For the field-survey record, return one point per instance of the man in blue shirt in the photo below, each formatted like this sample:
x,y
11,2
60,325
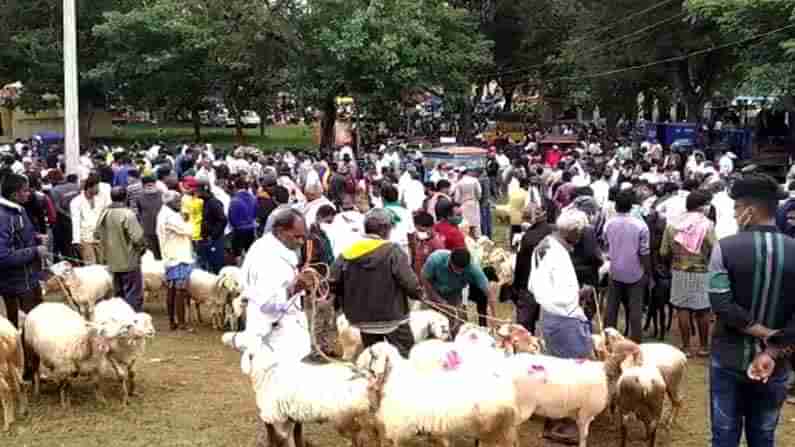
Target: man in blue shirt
x,y
445,275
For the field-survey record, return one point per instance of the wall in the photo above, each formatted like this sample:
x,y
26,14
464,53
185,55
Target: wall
x,y
18,124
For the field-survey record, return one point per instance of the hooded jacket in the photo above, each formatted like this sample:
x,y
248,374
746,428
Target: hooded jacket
x,y
373,280
17,250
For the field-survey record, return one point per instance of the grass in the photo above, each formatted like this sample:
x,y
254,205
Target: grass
x,y
276,137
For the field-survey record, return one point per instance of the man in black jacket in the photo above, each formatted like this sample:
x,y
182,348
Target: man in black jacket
x,y
147,206
372,281
211,245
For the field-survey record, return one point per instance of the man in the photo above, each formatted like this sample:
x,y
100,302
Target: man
x,y
62,195
630,265
412,191
536,228
442,191
468,193
427,241
346,228
121,177
122,241
266,201
445,275
242,217
785,215
487,193
134,187
147,206
449,218
174,237
85,210
21,250
314,201
191,208
403,224
321,315
211,244
270,283
751,296
372,281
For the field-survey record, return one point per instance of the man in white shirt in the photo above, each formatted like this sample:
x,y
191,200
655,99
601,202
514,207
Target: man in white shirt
x,y
85,210
726,164
174,236
412,191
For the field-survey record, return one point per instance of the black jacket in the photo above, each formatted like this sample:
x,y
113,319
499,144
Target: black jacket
x,y
373,280
19,261
213,219
147,206
530,240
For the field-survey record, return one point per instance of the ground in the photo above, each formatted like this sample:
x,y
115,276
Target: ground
x,y
276,137
193,394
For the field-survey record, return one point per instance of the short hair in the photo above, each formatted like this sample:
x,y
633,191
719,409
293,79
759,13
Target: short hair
x,y
163,172
134,173
442,184
241,183
444,208
624,200
566,177
91,181
13,183
118,194
281,195
423,219
147,180
377,221
72,178
389,192
286,218
460,258
572,220
697,199
760,190
326,211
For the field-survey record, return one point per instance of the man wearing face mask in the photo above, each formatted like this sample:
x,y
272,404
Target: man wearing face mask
x,y
751,292
427,241
270,284
449,218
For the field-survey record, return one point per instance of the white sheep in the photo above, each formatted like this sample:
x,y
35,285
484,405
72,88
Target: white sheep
x,y
515,339
291,393
84,286
440,404
671,362
215,291
68,345
640,391
566,388
154,278
233,311
125,350
12,364
425,324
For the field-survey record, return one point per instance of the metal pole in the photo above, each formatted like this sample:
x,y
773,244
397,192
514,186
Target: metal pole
x,y
71,109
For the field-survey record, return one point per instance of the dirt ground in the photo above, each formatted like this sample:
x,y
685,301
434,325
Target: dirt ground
x,y
193,394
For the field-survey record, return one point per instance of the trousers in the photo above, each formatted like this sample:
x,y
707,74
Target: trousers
x,y
210,255
129,286
401,338
631,296
738,402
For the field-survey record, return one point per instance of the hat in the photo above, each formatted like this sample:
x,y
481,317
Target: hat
x,y
189,183
757,186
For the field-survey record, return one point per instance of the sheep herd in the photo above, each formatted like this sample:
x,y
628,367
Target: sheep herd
x,y
482,385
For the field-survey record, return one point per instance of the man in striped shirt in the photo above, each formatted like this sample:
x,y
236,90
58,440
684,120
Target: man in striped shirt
x,y
752,293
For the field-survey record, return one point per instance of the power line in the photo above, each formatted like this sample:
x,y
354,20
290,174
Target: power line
x,y
673,59
596,32
590,50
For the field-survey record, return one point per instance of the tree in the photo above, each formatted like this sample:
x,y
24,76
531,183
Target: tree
x,y
360,48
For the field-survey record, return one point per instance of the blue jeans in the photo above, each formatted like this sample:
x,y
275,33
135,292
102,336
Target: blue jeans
x,y
485,220
130,286
210,255
738,400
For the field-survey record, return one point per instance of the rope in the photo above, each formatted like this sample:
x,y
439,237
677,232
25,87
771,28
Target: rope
x,y
453,312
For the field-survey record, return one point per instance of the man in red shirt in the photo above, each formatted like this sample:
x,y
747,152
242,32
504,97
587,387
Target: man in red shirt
x,y
553,157
426,240
448,215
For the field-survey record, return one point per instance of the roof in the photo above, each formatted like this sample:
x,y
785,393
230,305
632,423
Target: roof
x,y
459,150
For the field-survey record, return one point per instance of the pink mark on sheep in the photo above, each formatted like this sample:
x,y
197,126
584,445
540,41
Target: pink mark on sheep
x,y
452,360
538,370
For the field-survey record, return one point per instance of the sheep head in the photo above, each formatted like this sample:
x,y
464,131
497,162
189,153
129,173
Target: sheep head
x,y
375,386
143,325
439,328
612,337
514,338
377,358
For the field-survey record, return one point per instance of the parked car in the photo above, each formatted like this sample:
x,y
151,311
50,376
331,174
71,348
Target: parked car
x,y
249,118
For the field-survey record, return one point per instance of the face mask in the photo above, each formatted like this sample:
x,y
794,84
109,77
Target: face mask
x,y
423,235
456,220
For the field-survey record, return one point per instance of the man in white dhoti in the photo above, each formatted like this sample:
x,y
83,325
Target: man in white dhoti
x,y
274,316
467,192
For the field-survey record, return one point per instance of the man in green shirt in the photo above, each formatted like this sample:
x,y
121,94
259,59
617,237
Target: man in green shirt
x,y
445,275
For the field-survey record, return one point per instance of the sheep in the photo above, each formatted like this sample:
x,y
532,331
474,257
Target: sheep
x,y
425,324
68,345
83,287
290,393
12,364
567,388
514,339
671,362
442,404
473,346
214,290
154,278
124,351
640,390
233,312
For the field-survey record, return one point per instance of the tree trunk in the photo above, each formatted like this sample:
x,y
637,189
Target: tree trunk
x,y
611,121
663,108
648,106
695,109
197,124
239,136
327,124
508,92
262,117
465,135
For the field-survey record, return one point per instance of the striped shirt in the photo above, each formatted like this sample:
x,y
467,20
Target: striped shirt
x,y
750,282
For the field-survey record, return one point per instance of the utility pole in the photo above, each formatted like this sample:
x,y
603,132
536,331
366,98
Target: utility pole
x,y
71,109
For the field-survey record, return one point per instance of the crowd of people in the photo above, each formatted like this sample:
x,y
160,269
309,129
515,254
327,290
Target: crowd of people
x,y
656,230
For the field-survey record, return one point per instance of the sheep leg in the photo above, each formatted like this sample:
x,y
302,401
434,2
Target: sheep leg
x,y
651,433
63,388
198,313
7,400
131,379
18,388
98,392
583,425
36,383
622,422
280,435
298,435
